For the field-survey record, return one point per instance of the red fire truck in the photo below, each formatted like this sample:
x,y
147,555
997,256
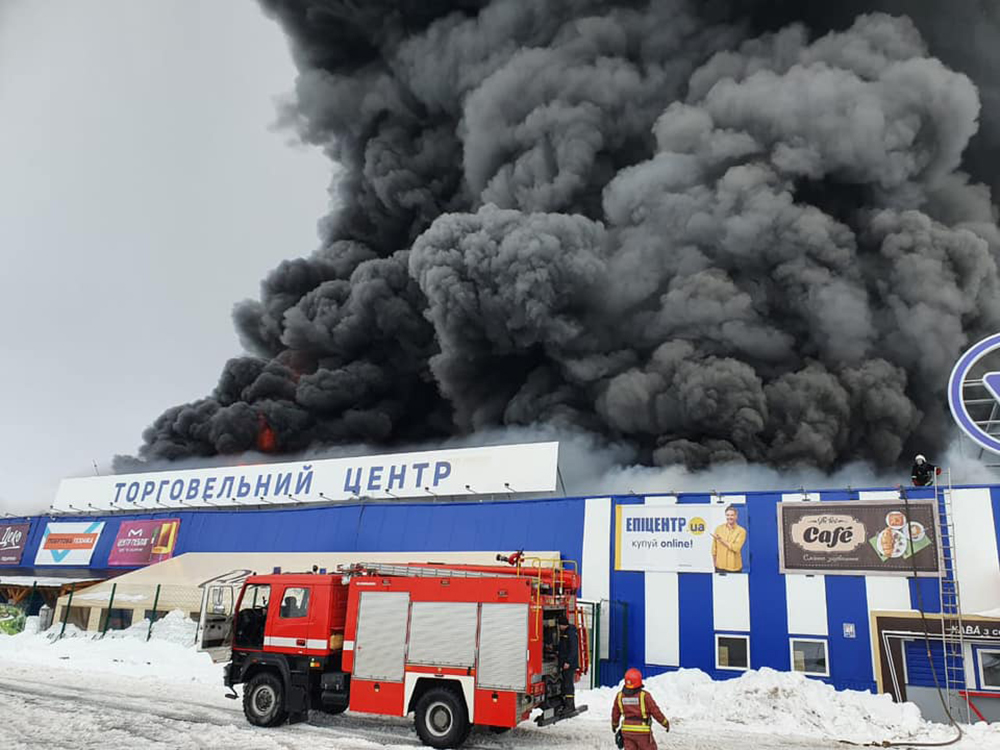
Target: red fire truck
x,y
455,645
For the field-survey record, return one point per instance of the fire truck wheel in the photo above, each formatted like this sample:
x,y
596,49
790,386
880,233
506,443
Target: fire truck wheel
x,y
442,719
264,700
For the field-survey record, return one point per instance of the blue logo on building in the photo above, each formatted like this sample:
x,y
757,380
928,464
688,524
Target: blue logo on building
x,y
959,399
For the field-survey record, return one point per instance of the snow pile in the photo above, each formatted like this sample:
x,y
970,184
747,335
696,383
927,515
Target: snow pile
x,y
174,627
168,655
781,702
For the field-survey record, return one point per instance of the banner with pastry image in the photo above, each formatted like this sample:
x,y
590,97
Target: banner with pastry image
x,y
875,537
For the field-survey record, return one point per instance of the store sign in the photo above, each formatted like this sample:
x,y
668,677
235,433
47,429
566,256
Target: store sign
x,y
980,629
973,400
681,538
500,470
878,537
69,543
144,542
13,538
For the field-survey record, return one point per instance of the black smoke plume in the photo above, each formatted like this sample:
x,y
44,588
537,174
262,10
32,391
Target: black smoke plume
x,y
712,231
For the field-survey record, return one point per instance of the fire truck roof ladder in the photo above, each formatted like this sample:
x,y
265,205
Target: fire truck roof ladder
x,y
426,571
541,570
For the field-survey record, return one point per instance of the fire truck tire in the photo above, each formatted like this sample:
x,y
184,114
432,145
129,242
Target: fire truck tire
x,y
264,700
442,719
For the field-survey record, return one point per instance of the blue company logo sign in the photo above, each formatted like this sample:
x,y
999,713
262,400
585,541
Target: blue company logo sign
x,y
990,382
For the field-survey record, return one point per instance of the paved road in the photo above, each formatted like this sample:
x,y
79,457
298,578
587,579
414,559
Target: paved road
x,y
67,713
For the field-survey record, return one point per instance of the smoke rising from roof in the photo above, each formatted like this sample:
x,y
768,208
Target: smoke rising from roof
x,y
714,233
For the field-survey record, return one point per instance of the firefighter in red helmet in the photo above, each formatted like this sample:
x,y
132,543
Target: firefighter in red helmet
x,y
636,710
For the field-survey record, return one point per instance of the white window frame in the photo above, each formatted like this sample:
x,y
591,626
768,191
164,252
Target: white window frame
x,y
742,636
979,667
792,640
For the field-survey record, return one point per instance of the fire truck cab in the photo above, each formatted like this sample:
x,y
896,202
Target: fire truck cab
x,y
455,645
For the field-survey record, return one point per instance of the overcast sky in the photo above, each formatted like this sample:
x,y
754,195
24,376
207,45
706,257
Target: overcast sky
x,y
142,192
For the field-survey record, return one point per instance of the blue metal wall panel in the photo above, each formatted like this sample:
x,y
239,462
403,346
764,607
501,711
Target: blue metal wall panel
x,y
850,658
925,593
847,602
919,667
694,601
768,607
536,524
697,636
630,587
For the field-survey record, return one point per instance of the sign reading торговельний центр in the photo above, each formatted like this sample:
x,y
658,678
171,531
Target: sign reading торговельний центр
x,y
500,469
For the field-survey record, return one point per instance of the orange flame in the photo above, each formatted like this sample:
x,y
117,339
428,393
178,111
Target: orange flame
x,y
266,440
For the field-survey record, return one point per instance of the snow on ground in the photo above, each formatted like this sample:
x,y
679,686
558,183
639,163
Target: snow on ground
x,y
79,692
169,655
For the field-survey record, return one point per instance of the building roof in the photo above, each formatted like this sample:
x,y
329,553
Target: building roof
x,y
43,582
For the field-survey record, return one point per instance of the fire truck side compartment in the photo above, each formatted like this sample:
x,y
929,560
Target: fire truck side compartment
x,y
443,634
380,644
503,647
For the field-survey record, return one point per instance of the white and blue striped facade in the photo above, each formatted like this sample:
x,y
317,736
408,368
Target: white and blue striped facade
x,y
674,618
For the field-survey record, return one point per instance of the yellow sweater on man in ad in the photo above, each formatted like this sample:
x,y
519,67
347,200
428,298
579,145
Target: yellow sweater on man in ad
x,y
729,560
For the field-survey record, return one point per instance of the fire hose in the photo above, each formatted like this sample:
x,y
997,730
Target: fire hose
x,y
927,644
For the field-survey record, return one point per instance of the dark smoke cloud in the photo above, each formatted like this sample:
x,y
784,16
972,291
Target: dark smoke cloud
x,y
717,233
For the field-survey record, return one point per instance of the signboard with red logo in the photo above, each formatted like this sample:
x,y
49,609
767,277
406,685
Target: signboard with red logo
x,y
144,542
69,543
12,540
859,537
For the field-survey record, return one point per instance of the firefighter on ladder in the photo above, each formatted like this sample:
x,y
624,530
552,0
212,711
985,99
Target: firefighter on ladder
x,y
635,709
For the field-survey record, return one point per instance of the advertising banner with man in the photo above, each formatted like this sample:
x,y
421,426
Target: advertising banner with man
x,y
69,543
877,537
144,542
681,538
13,537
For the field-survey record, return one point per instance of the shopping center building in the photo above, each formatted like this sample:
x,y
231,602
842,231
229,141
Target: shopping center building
x,y
845,585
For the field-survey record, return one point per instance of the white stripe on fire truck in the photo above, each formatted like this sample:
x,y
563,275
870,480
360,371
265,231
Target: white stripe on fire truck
x,y
348,645
316,643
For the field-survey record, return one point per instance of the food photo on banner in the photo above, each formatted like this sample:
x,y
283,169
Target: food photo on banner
x,y
69,543
682,538
878,537
144,542
12,540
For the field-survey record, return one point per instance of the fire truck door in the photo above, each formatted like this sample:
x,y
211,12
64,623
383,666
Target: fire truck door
x,y
293,629
215,633
380,642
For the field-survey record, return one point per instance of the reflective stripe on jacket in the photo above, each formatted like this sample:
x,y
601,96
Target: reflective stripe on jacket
x,y
635,712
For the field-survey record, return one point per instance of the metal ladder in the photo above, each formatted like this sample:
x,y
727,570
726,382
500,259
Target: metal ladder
x,y
952,637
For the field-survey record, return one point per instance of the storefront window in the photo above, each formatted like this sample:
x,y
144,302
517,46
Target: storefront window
x,y
809,656
989,669
732,651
